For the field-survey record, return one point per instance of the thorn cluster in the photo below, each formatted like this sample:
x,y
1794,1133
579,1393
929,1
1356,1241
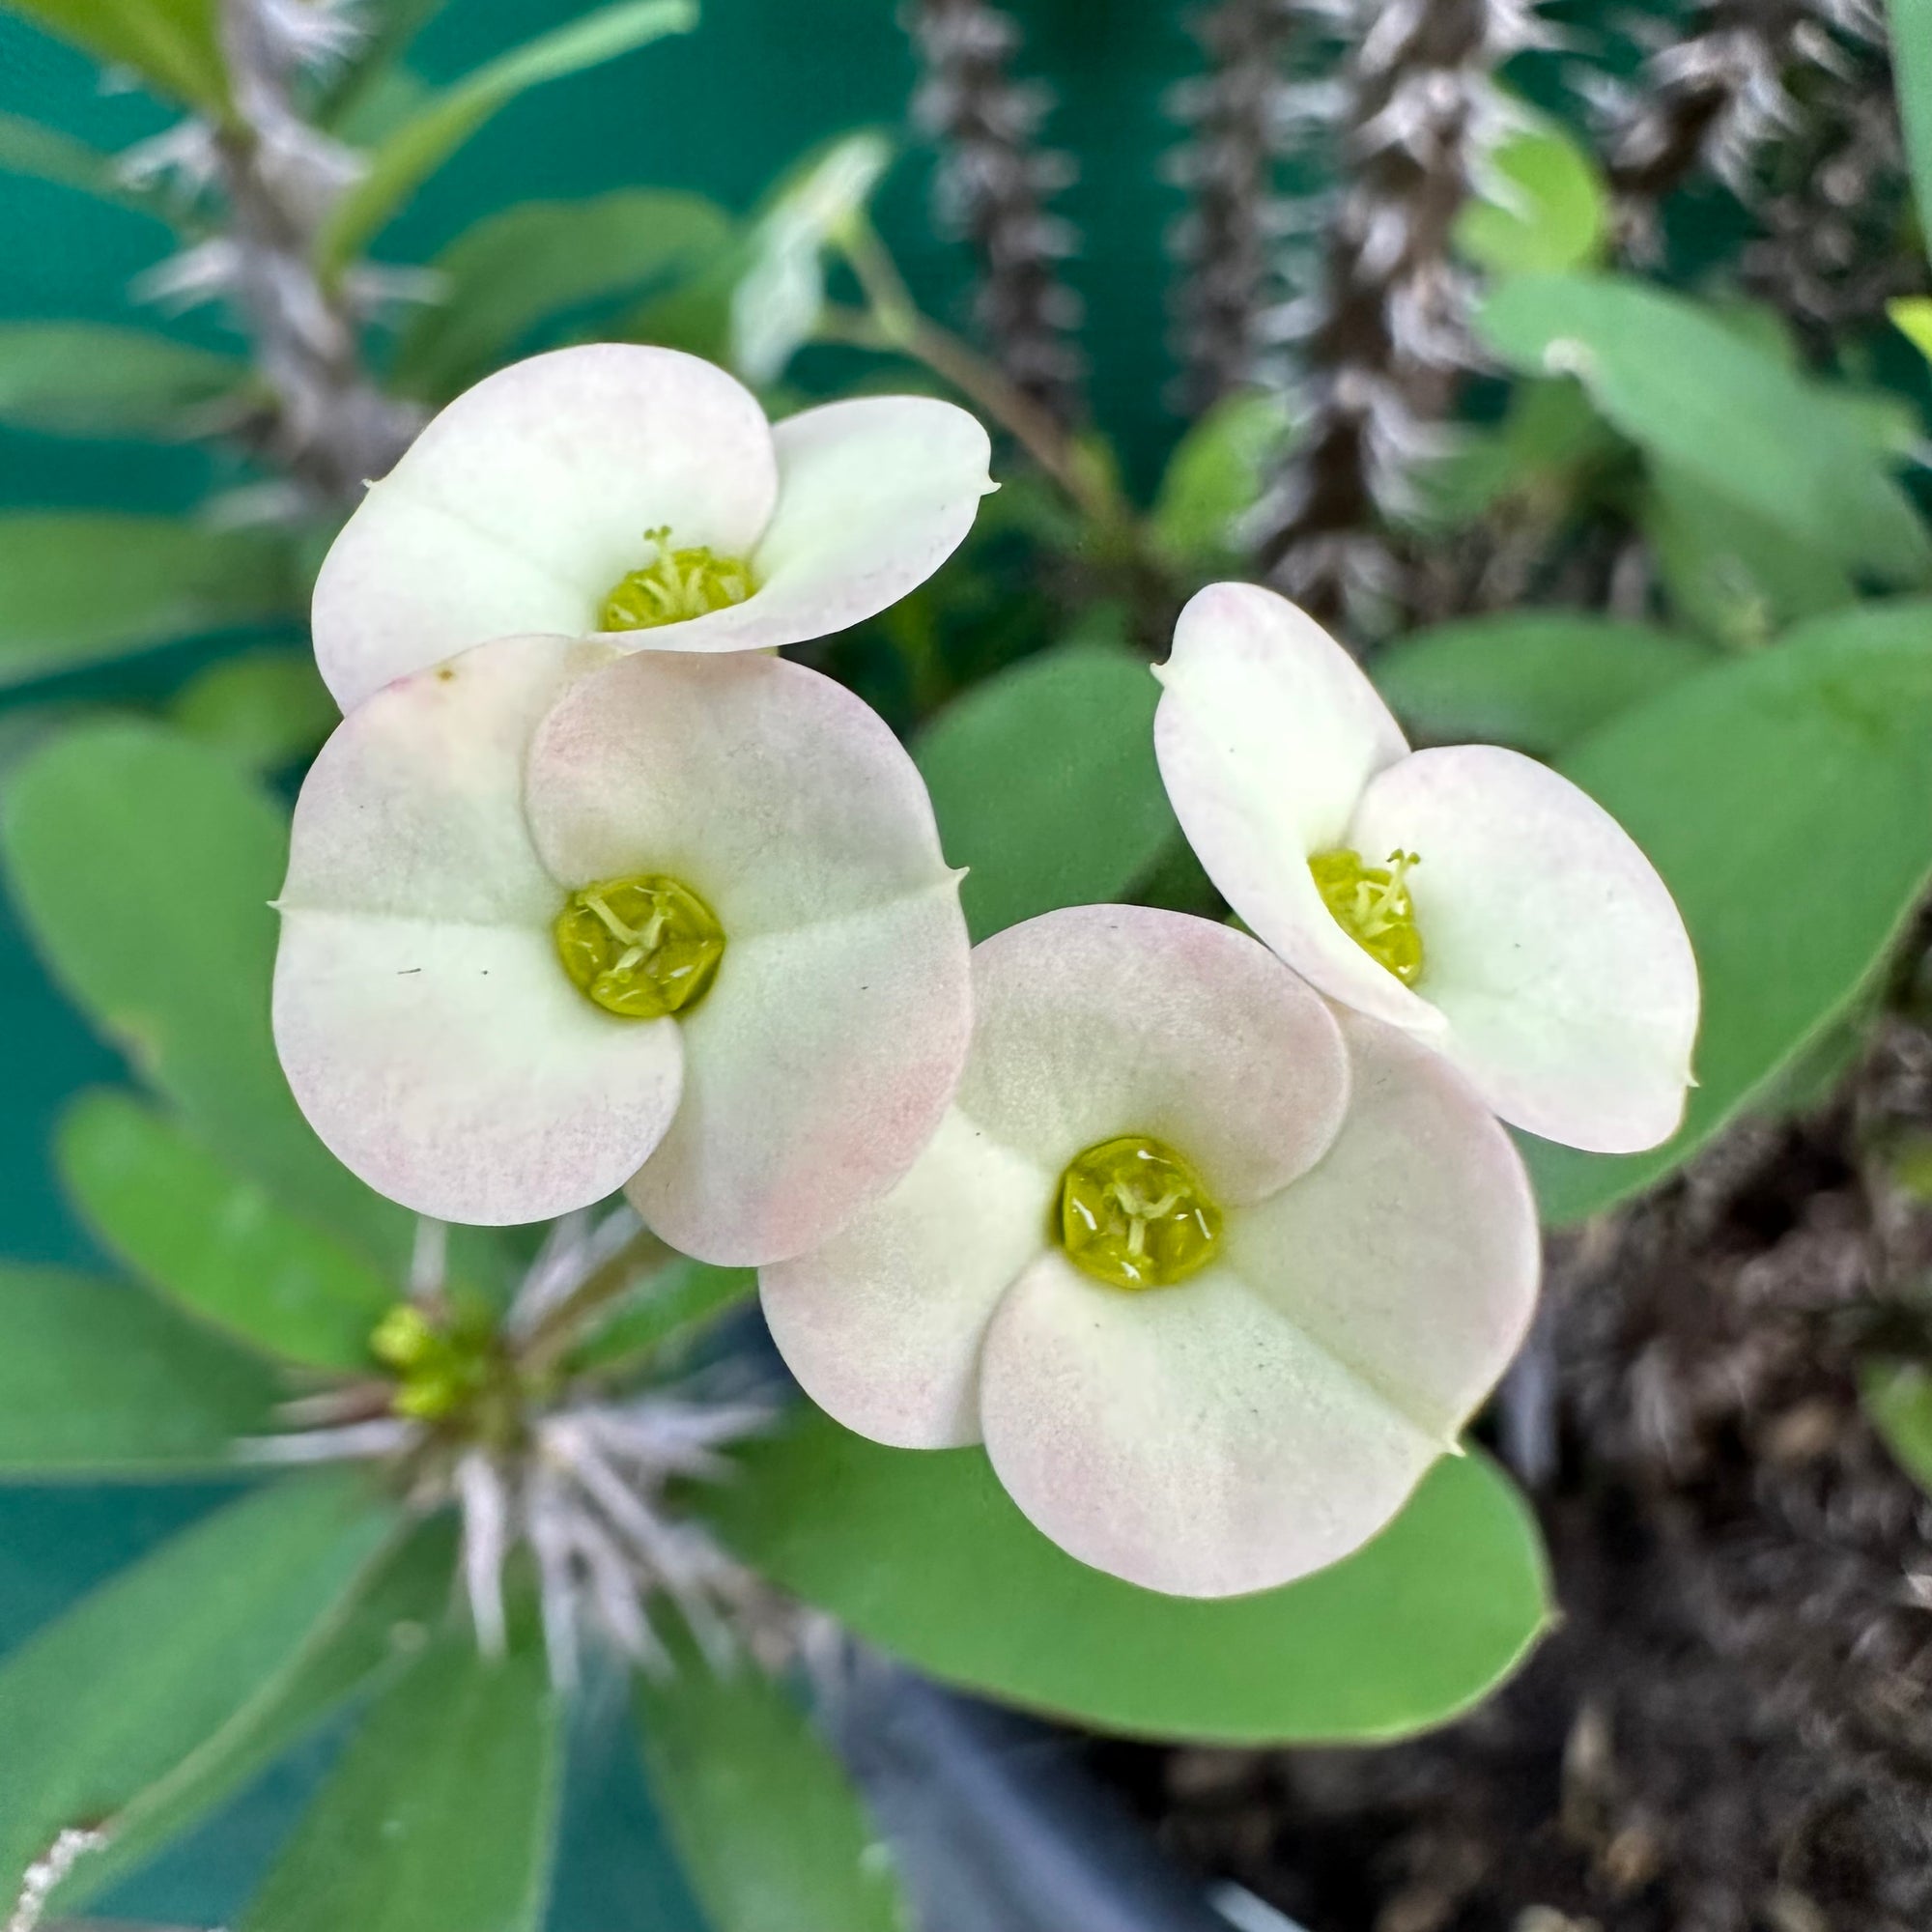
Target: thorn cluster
x,y
581,1486
994,186
1382,337
1718,96
1240,114
273,178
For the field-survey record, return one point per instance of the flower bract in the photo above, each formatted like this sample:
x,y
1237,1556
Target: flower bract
x,y
1467,895
560,920
1215,1275
638,493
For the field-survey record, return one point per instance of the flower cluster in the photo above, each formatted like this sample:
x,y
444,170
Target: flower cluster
x,y
1215,1240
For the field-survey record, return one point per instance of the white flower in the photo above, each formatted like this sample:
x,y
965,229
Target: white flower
x,y
600,490
1469,896
560,919
1215,1276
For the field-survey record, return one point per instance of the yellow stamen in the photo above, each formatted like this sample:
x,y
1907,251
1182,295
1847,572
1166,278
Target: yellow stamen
x,y
676,585
1133,1213
1373,906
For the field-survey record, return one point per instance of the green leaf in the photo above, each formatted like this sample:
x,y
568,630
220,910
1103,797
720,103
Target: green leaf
x,y
922,1552
1786,799
123,1691
424,142
265,709
145,864
779,295
88,378
539,260
376,1633
79,585
174,43
1044,782
1541,457
1729,571
1534,679
1912,317
772,1835
1912,60
97,1379
762,294
678,1297
1215,477
219,1245
1691,391
1544,205
26,148
1897,1401
443,1813
373,65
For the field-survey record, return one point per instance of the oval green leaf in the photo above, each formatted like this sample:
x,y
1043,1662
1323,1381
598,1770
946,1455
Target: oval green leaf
x,y
1692,390
375,1632
145,864
27,148
1786,799
122,1692
922,1554
1897,1401
265,709
545,259
88,378
99,1379
1215,477
1537,680
772,1835
441,1815
219,1245
1045,784
79,585
428,138
174,43
1543,205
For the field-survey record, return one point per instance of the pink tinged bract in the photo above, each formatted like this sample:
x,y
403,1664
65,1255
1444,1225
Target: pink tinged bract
x,y
1255,1422
526,500
1555,953
1557,970
826,1052
424,1024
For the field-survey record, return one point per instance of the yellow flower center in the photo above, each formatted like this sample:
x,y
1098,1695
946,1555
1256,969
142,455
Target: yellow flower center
x,y
1371,905
675,585
641,947
441,1371
1133,1213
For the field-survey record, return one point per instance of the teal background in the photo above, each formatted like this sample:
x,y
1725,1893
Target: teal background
x,y
721,112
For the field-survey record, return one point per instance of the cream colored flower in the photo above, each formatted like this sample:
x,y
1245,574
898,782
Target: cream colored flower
x,y
639,494
1214,1276
561,920
1469,895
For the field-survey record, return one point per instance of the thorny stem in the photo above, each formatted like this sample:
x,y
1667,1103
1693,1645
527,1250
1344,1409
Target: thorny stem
x,y
331,427
994,185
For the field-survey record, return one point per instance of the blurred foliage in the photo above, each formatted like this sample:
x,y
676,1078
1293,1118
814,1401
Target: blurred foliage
x,y
1757,710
